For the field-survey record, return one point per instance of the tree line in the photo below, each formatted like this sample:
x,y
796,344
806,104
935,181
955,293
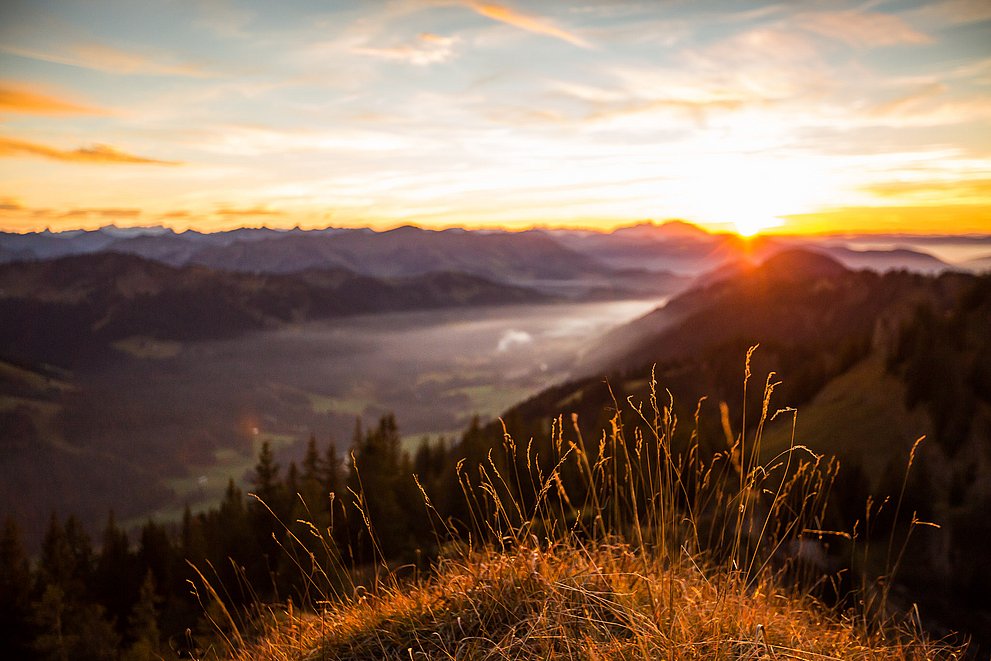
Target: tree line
x,y
134,596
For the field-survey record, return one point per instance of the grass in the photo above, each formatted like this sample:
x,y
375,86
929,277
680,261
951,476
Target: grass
x,y
639,544
579,602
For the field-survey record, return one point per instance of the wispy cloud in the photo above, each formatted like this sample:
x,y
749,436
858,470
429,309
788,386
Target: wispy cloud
x,y
101,57
909,101
103,154
428,49
862,29
923,112
102,212
672,98
528,22
255,141
942,190
952,12
15,98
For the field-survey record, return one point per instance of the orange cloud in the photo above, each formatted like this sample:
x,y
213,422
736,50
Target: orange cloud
x,y
105,213
8,204
945,190
535,24
253,211
955,218
11,148
20,99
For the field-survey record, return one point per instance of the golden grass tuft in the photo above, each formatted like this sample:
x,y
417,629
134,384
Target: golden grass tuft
x,y
576,602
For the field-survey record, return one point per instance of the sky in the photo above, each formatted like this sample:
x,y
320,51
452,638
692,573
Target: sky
x,y
746,116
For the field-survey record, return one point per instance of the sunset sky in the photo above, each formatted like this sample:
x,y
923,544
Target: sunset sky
x,y
212,114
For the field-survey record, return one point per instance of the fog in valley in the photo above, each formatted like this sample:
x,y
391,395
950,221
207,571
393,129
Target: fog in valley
x,y
215,402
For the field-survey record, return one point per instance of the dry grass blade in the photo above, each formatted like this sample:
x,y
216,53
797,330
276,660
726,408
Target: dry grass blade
x,y
672,554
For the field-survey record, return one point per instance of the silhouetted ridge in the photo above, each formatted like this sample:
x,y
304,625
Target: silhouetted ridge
x,y
72,309
801,264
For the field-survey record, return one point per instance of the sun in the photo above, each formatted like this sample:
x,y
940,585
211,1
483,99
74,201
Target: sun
x,y
749,227
751,193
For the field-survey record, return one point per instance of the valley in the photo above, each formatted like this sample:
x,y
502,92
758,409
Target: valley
x,y
182,418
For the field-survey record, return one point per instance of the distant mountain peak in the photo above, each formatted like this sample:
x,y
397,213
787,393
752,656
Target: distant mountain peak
x,y
405,230
669,229
678,227
798,263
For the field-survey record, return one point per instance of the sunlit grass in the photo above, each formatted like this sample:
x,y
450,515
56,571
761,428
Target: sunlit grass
x,y
658,549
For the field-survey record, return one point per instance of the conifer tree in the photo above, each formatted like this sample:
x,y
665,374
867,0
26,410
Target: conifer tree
x,y
332,475
292,486
311,460
70,625
58,564
266,477
16,627
311,486
193,547
115,581
376,476
142,624
156,553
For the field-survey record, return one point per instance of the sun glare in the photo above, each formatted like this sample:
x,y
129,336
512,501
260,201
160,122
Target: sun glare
x,y
751,227
751,194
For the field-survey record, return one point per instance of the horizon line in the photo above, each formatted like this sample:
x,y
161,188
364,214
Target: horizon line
x,y
770,232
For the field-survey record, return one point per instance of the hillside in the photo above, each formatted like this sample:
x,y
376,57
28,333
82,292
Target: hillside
x,y
794,303
872,362
72,310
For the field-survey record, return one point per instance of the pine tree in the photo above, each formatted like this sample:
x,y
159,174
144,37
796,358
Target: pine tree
x,y
266,478
115,581
58,564
311,486
193,542
293,486
332,475
266,529
142,624
376,476
16,627
70,625
311,460
157,554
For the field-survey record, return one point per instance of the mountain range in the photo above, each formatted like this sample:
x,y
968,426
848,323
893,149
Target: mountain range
x,y
71,310
532,256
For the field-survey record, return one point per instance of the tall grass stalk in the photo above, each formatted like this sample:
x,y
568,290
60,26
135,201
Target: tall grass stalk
x,y
656,545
